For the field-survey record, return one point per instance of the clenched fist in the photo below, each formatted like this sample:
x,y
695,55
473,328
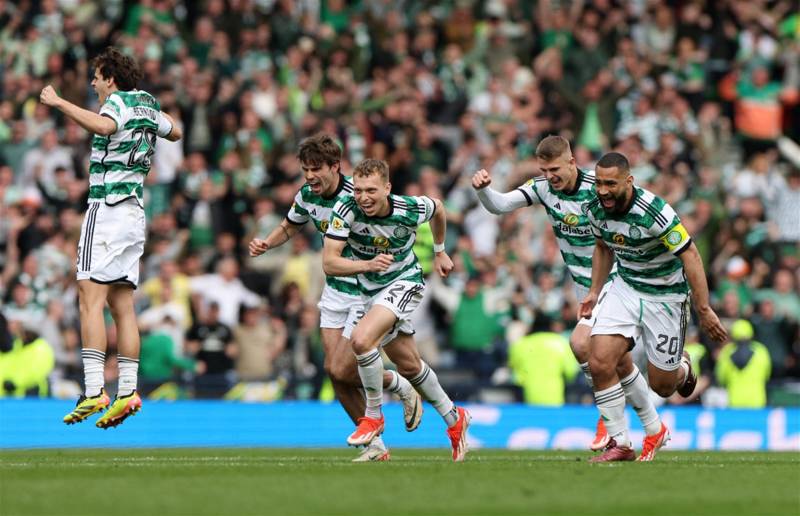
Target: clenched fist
x,y
481,179
380,263
49,97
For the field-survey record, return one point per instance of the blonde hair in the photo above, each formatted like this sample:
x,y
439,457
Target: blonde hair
x,y
552,147
371,166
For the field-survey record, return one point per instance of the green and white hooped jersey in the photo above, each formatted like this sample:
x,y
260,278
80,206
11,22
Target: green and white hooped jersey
x,y
569,221
646,242
316,208
119,162
393,234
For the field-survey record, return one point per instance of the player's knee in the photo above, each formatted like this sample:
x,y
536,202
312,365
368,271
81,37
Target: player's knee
x,y
360,343
580,346
90,302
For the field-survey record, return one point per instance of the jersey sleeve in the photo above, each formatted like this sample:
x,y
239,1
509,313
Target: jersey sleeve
x,y
427,208
528,190
342,218
594,224
670,230
164,125
297,214
114,108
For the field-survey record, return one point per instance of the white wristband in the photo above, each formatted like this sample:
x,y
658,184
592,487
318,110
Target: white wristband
x,y
438,248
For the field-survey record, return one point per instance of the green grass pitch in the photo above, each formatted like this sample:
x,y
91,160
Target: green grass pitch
x,y
166,482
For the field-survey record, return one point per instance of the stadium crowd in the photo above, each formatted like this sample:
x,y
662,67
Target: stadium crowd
x,y
702,96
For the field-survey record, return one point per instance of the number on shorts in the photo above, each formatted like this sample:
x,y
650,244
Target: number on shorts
x,y
663,340
394,291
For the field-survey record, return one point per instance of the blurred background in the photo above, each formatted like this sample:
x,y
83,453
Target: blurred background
x,y
702,96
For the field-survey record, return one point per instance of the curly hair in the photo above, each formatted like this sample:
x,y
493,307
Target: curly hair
x,y
123,69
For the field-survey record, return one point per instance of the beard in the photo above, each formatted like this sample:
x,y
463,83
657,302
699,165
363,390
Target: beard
x,y
614,204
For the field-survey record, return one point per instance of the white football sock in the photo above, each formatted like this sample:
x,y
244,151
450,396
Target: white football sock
x,y
370,370
611,403
128,371
94,362
427,383
399,385
637,392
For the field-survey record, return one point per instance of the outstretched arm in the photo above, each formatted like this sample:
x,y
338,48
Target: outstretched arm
x,y
89,120
494,201
279,236
175,132
696,276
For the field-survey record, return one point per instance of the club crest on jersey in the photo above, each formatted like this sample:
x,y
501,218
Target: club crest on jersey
x,y
635,232
323,226
338,223
401,232
619,239
380,241
571,219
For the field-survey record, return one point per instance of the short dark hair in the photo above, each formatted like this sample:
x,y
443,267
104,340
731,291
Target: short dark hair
x,y
318,150
371,166
552,147
123,69
615,159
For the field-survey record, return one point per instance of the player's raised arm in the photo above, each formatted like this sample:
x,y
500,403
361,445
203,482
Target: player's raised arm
x,y
441,261
494,201
295,219
89,120
696,276
167,128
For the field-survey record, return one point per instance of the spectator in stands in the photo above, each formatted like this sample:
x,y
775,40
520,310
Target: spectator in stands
x,y
260,339
475,327
542,363
223,289
744,367
210,342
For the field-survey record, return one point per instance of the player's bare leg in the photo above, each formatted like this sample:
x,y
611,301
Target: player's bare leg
x,y
127,401
579,341
606,353
637,391
426,382
365,339
666,383
341,368
91,301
